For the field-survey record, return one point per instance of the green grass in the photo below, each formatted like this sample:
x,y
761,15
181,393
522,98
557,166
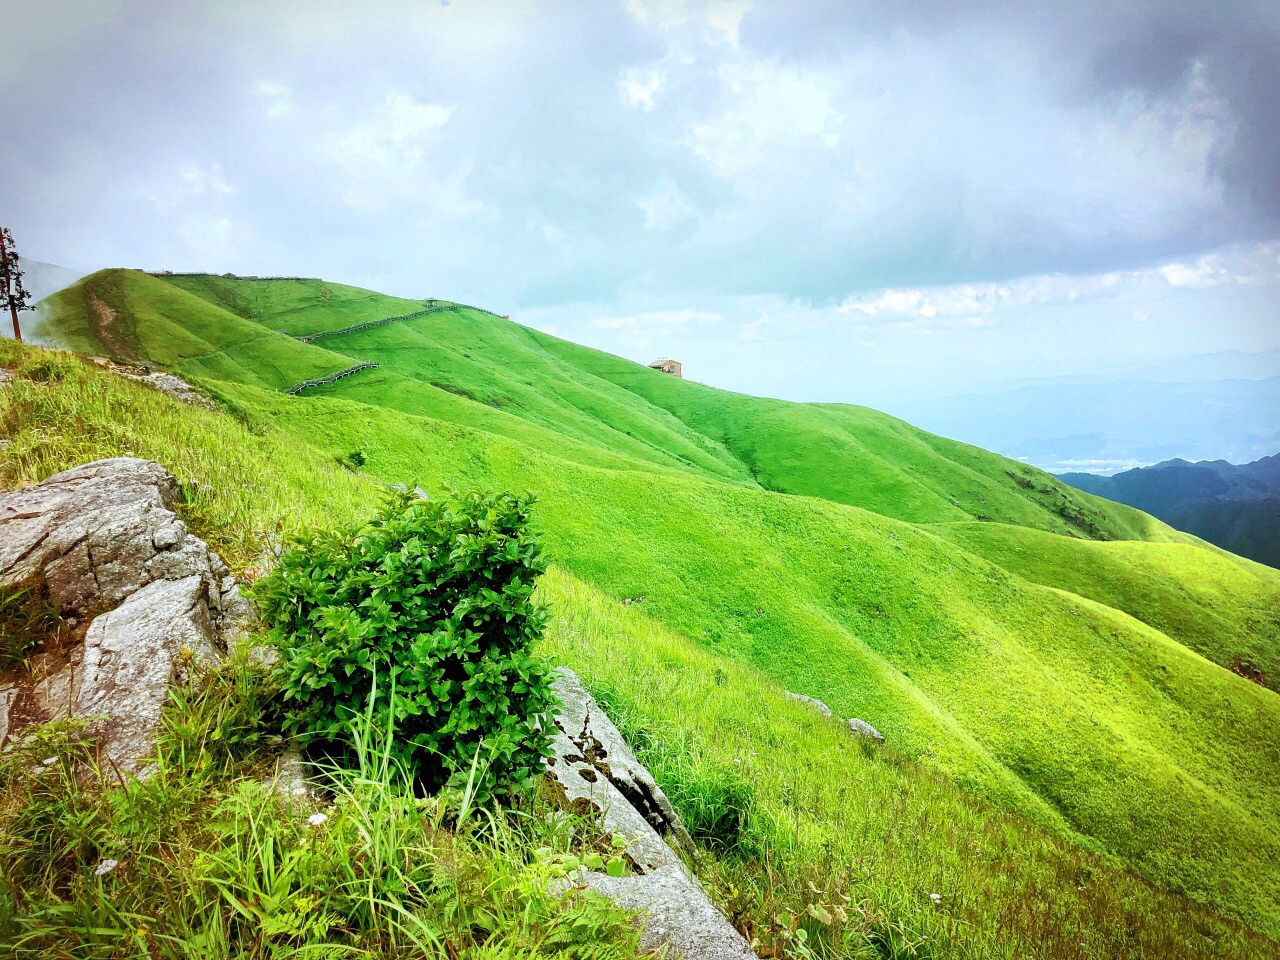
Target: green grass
x,y
833,550
204,859
296,307
1194,595
831,821
129,315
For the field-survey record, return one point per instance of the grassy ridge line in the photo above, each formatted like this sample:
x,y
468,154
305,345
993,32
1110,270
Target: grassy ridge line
x,y
870,825
299,307
847,454
515,385
854,455
129,315
1074,713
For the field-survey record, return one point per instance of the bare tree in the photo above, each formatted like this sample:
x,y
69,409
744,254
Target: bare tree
x,y
12,292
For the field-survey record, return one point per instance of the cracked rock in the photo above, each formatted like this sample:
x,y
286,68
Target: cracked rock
x,y
596,768
593,763
104,542
676,913
131,655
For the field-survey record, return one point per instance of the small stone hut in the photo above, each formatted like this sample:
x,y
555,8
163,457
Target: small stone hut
x,y
668,366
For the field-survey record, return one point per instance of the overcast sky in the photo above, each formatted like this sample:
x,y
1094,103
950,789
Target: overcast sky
x,y
835,201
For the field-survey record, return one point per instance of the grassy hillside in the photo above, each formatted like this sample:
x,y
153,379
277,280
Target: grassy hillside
x,y
128,315
865,458
295,307
1196,596
848,556
812,817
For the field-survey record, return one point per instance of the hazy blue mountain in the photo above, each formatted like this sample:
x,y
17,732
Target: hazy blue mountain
x,y
1089,425
1234,506
43,279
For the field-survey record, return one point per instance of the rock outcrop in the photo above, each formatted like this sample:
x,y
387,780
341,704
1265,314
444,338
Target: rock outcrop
x,y
594,766
166,383
104,543
864,729
859,727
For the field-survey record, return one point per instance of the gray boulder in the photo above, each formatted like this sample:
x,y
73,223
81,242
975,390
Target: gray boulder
x,y
596,769
131,654
594,765
676,913
97,533
105,542
864,729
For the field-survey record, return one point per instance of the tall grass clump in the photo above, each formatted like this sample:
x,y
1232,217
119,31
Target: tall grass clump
x,y
423,616
207,860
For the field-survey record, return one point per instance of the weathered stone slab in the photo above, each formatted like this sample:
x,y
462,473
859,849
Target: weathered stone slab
x,y
99,532
594,765
593,762
131,656
676,913
864,729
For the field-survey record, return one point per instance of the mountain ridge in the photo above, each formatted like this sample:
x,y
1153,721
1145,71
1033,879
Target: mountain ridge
x,y
1235,506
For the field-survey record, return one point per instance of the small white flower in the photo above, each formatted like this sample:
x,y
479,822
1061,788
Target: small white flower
x,y
105,867
316,819
935,897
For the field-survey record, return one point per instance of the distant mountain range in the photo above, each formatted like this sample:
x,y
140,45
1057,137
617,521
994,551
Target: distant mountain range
x,y
1234,506
43,279
1206,407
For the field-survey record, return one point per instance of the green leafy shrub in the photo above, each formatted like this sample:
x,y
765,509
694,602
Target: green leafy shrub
x,y
353,460
425,616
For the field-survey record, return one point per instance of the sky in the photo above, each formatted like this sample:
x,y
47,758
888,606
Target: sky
x,y
844,201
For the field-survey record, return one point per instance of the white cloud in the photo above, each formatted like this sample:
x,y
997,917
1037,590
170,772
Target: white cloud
x,y
665,206
652,329
641,86
658,320
387,156
195,180
279,98
205,178
725,17
770,105
1205,272
665,15
397,135
209,239
970,301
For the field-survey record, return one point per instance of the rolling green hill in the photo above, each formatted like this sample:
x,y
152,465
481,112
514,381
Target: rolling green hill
x,y
966,605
